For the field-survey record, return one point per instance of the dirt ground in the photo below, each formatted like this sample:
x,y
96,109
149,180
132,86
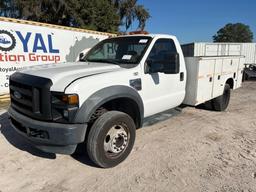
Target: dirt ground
x,y
195,151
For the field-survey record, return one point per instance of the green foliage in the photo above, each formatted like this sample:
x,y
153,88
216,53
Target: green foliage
x,y
101,15
237,32
129,10
97,15
142,15
2,5
7,8
49,11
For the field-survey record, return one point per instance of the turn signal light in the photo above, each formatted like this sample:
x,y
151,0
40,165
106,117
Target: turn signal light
x,y
70,99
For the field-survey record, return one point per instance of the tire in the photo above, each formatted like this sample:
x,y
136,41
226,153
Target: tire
x,y
221,103
208,105
111,139
246,77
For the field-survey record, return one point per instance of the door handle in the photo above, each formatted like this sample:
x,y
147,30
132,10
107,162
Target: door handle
x,y
182,76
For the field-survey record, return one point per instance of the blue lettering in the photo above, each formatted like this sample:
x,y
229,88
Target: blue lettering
x,y
39,44
51,49
23,40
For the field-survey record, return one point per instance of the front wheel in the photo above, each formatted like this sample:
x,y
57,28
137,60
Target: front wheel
x,y
221,103
111,139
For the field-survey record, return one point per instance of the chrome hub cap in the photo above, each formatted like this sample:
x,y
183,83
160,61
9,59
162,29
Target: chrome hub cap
x,y
116,139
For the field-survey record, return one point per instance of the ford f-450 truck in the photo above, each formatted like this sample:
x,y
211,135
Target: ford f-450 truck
x,y
102,99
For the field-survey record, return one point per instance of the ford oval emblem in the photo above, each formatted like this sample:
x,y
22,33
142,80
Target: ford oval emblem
x,y
17,95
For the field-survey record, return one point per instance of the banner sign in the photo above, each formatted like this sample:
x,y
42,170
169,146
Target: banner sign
x,y
23,45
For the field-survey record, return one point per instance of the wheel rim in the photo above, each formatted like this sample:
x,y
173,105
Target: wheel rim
x,y
116,140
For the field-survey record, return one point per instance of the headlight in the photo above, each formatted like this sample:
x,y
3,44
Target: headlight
x,y
64,106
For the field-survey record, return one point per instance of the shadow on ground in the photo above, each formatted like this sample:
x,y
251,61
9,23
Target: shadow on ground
x,y
205,106
17,141
81,156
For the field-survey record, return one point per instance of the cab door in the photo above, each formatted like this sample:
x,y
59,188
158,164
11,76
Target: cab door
x,y
161,91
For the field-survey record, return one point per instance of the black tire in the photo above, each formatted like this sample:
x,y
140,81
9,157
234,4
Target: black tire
x,y
221,103
246,77
99,138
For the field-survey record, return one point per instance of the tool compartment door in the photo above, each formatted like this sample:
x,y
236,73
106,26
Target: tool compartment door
x,y
230,65
205,80
218,86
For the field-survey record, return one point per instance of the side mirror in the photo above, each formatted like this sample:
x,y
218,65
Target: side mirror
x,y
81,56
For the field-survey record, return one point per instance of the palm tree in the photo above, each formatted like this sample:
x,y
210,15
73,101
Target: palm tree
x,y
142,15
129,11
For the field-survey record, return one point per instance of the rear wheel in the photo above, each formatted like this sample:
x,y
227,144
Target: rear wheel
x,y
221,103
246,77
111,139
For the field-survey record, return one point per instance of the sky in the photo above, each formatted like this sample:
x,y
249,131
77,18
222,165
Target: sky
x,y
197,20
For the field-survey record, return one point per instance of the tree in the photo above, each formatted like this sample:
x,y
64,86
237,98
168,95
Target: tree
x,y
127,12
49,11
7,8
101,15
237,32
2,4
130,11
97,15
142,15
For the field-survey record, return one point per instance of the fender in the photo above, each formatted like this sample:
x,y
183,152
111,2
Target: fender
x,y
104,95
231,82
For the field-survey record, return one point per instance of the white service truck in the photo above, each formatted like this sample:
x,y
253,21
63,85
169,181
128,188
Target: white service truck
x,y
104,98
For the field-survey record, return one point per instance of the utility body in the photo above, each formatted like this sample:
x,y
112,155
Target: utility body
x,y
101,100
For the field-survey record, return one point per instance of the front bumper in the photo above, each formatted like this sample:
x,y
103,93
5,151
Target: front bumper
x,y
48,136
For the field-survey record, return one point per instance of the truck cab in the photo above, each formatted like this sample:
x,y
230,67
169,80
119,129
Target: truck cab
x,y
152,65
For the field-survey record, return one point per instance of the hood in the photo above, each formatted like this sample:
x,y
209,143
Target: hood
x,y
62,74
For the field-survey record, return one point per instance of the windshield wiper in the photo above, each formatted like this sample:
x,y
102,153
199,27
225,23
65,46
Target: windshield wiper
x,y
112,61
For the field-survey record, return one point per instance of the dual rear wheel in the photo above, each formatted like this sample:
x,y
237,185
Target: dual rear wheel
x,y
220,103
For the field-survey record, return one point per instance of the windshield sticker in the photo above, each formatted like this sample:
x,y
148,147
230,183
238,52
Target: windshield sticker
x,y
126,57
143,41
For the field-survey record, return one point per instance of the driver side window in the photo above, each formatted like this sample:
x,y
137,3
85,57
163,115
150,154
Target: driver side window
x,y
159,54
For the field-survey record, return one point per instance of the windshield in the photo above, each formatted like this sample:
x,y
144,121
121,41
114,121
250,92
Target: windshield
x,y
121,50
